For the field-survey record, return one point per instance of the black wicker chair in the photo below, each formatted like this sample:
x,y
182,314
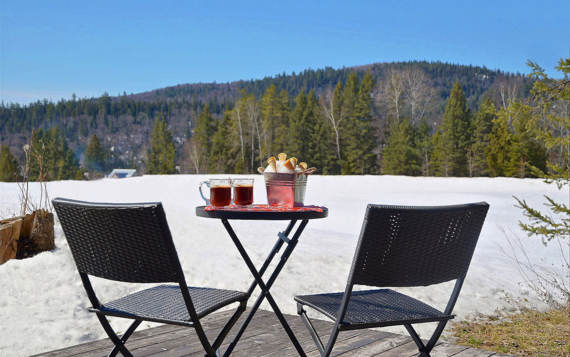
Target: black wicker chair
x,y
401,247
132,243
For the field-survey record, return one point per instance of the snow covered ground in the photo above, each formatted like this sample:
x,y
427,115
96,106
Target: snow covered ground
x,y
42,302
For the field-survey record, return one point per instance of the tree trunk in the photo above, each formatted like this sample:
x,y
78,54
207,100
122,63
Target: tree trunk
x,y
42,231
9,235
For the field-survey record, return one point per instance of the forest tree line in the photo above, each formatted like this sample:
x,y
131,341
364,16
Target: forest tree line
x,y
124,123
335,132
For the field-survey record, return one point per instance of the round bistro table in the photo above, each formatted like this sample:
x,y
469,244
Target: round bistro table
x,y
291,215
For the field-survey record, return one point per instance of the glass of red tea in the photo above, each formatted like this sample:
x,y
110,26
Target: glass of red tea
x,y
220,192
243,191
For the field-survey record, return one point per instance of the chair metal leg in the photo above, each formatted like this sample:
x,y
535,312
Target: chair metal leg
x,y
126,336
425,349
118,342
332,339
418,341
314,335
265,294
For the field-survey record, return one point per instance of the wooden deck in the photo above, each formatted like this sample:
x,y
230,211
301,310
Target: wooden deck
x,y
265,337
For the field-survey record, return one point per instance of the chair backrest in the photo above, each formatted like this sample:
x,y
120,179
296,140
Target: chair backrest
x,y
122,242
416,246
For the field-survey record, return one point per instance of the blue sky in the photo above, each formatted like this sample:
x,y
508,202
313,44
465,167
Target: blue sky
x,y
51,49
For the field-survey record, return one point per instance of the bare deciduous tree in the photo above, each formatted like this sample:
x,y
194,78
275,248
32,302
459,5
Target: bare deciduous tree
x,y
252,111
419,93
333,113
508,89
237,116
192,156
392,92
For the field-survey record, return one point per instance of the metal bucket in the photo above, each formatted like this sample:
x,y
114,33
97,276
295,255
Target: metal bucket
x,y
285,190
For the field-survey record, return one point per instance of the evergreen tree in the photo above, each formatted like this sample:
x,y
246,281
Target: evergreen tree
x,y
439,160
281,138
363,155
456,134
482,125
221,161
162,150
95,155
350,133
202,136
321,149
498,152
551,107
50,156
270,112
9,170
424,144
526,151
302,125
400,156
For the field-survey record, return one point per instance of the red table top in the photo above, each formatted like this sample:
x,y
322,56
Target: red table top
x,y
262,212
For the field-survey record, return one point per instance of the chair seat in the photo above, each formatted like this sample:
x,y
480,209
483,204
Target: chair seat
x,y
374,308
165,303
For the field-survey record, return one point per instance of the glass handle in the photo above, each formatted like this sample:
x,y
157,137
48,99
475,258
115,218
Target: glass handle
x,y
202,194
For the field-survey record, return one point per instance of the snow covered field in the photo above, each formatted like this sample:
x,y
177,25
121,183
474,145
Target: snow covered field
x,y
42,302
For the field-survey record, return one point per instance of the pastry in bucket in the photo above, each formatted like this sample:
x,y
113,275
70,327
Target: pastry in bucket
x,y
285,181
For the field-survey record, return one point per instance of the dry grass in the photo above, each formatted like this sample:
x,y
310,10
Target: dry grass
x,y
528,333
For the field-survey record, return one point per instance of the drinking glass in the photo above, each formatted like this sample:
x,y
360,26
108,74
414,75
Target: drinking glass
x,y
243,191
220,192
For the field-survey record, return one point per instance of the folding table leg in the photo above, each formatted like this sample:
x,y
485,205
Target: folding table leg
x,y
265,294
271,255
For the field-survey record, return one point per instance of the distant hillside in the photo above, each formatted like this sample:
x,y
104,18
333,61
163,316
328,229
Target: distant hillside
x,y
475,80
124,123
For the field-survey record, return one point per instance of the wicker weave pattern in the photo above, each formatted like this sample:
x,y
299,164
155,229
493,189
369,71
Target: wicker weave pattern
x,y
129,242
417,246
374,307
166,302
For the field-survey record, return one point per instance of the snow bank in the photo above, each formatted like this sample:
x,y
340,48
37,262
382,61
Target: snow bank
x,y
42,302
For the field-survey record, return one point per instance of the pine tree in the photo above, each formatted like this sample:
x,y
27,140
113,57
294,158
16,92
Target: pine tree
x,y
498,152
363,155
302,125
526,151
456,134
321,148
162,150
50,156
95,155
202,136
424,144
400,156
9,170
439,160
221,161
482,125
350,129
552,103
270,118
281,139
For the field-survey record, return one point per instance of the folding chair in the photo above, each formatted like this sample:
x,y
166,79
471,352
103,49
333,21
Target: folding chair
x,y
132,243
401,247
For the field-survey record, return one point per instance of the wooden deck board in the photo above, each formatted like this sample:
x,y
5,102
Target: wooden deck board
x,y
264,337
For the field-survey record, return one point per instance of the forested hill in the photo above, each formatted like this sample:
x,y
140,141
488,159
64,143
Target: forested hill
x,y
474,79
124,123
